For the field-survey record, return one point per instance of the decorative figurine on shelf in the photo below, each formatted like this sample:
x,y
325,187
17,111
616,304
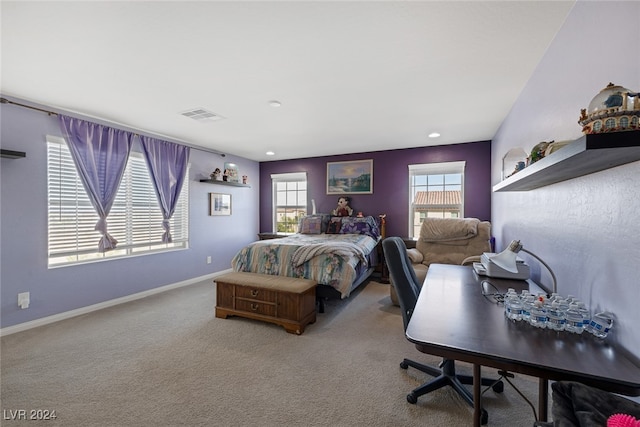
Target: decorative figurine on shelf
x,y
215,175
245,178
225,176
538,151
613,109
343,208
519,166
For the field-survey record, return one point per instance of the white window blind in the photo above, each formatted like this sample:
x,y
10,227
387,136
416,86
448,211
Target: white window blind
x,y
289,200
135,220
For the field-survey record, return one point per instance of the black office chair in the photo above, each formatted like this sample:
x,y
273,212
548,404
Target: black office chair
x,y
407,288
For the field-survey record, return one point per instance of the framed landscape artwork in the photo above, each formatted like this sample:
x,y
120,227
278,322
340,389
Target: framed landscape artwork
x,y
219,204
352,177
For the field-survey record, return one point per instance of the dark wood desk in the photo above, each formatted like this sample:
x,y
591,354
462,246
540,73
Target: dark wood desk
x,y
453,319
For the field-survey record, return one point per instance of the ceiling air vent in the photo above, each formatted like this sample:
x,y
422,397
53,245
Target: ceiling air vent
x,y
202,115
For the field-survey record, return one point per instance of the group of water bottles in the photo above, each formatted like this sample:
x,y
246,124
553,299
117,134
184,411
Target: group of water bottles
x,y
556,313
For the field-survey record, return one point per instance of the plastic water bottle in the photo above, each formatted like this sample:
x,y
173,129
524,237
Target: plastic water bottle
x,y
586,314
527,305
601,324
507,302
563,305
555,317
513,306
538,316
574,319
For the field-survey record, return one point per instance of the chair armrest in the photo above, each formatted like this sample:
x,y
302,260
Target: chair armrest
x,y
415,256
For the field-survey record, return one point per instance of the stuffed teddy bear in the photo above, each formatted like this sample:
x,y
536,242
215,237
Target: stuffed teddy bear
x,y
343,208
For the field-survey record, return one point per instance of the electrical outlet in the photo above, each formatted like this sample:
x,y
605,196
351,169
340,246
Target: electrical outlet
x,y
209,260
24,300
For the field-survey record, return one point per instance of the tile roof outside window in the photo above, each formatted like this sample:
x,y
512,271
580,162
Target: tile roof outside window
x,y
448,197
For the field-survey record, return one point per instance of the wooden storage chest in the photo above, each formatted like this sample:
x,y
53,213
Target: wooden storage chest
x,y
286,301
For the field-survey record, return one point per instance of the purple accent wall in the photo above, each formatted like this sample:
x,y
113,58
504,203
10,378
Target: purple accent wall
x,y
390,182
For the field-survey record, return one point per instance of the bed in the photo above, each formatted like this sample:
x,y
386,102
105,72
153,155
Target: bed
x,y
337,252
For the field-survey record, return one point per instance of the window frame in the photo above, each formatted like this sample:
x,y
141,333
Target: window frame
x,y
129,226
289,179
433,169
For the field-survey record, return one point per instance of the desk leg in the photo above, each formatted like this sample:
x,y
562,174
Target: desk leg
x,y
477,396
543,398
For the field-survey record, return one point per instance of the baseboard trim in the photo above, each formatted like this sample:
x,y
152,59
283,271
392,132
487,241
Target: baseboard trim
x,y
20,327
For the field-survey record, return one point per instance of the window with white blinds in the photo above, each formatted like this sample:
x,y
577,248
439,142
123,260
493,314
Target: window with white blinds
x,y
135,220
289,200
436,190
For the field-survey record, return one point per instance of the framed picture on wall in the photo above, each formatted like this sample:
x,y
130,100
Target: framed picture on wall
x,y
352,177
219,204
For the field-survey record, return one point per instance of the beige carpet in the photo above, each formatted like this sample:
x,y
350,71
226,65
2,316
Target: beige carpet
x,y
165,360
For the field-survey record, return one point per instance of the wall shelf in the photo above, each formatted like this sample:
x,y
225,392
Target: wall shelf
x,y
233,184
10,154
588,154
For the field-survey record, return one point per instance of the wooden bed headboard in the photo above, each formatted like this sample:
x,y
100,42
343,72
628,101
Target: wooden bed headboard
x,y
383,225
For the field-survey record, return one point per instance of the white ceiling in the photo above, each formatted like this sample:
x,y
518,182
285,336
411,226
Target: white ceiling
x,y
351,76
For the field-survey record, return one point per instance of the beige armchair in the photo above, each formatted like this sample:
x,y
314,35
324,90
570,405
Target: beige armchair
x,y
447,241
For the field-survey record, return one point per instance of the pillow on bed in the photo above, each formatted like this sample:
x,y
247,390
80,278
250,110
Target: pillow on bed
x,y
335,225
310,225
366,225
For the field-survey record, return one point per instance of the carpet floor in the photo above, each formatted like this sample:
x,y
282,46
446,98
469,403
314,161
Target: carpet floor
x,y
166,360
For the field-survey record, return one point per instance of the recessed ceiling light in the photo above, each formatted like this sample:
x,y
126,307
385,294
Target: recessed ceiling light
x,y
434,135
270,153
275,103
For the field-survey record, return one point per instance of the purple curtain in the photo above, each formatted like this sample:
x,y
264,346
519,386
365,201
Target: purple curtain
x,y
167,163
100,154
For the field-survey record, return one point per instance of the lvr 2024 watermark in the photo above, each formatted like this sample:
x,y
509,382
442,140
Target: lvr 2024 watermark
x,y
29,414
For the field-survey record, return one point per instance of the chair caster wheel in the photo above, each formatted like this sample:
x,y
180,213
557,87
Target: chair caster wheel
x,y
484,418
411,398
403,365
498,387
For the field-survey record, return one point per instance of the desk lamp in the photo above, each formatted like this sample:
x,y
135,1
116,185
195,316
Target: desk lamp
x,y
507,260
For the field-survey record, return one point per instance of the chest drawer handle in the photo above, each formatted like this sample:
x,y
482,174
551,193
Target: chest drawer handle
x,y
254,292
254,307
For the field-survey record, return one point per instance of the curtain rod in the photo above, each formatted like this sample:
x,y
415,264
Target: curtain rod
x,y
53,113
6,101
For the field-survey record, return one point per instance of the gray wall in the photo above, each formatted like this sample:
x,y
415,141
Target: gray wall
x,y
390,182
586,228
23,231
